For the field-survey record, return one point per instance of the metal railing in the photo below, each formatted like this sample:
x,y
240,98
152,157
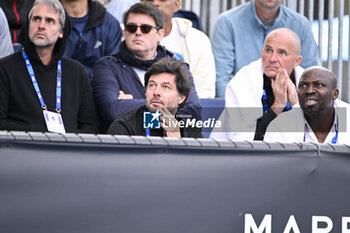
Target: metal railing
x,y
330,23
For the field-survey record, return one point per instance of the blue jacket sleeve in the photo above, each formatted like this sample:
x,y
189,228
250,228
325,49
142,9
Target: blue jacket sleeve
x,y
113,33
224,54
108,78
106,88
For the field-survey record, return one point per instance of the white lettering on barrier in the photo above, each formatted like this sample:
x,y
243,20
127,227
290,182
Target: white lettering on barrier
x,y
265,225
292,226
345,223
325,219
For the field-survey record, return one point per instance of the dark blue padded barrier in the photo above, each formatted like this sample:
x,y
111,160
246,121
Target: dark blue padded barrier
x,y
211,109
101,183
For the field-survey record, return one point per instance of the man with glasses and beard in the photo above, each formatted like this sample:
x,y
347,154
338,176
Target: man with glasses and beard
x,y
118,80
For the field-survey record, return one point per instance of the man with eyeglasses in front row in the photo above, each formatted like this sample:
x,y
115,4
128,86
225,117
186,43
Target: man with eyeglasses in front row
x,y
118,80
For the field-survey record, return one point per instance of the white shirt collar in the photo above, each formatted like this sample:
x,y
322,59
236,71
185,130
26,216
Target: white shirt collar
x,y
309,135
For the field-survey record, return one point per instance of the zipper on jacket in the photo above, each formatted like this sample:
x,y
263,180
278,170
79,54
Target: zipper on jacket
x,y
80,39
18,19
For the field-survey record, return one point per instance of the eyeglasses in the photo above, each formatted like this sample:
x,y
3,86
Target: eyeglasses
x,y
145,28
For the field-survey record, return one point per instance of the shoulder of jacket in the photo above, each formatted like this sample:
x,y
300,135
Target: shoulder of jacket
x,y
235,12
115,62
244,76
252,67
71,62
183,24
97,13
298,72
340,103
69,65
186,29
131,115
293,14
110,59
109,18
11,58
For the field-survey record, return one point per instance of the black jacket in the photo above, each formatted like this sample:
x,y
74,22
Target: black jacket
x,y
19,105
131,123
16,12
115,73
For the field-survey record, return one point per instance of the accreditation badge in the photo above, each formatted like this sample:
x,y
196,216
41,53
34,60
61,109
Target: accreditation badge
x,y
54,122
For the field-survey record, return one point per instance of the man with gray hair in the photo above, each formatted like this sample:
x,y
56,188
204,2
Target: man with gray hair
x,y
39,89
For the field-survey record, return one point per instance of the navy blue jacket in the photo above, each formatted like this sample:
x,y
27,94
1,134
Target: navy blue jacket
x,y
101,37
112,74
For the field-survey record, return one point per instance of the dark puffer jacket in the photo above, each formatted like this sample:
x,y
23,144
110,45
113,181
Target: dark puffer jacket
x,y
16,12
20,108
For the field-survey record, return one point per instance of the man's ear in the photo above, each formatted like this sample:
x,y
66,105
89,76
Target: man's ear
x,y
177,5
61,33
335,93
298,61
180,99
161,33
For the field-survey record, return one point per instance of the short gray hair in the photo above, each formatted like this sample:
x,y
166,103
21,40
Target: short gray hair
x,y
55,4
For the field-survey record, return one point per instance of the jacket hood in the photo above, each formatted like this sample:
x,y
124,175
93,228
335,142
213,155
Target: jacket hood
x,y
58,50
97,14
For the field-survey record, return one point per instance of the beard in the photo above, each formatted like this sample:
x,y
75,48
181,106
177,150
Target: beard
x,y
42,45
172,108
44,41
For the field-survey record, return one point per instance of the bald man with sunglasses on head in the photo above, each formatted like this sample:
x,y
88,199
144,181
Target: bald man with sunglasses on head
x,y
118,80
